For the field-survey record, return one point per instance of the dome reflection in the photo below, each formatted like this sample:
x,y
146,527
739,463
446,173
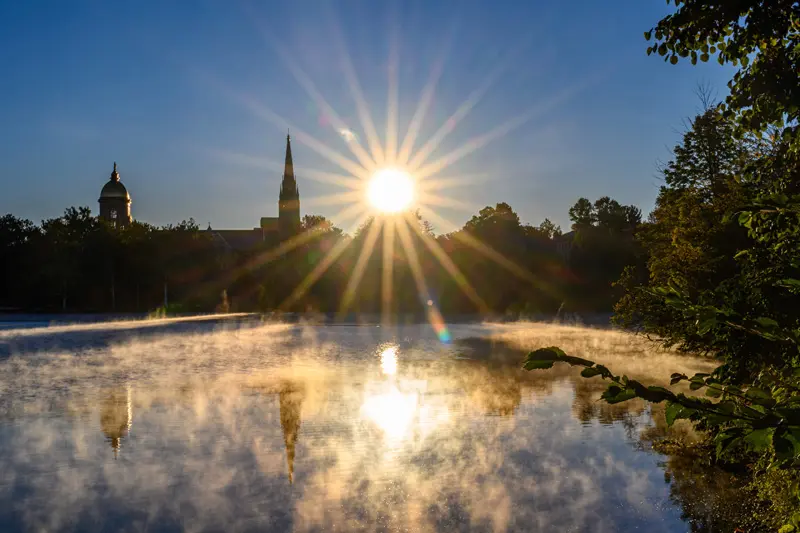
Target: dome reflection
x,y
116,417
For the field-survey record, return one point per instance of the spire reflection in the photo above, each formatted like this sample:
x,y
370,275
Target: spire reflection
x,y
290,401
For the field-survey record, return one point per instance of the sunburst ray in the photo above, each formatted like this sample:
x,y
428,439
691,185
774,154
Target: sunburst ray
x,y
429,199
330,177
413,259
392,103
492,254
433,315
446,182
461,111
362,107
387,270
297,240
266,163
449,266
311,90
358,271
322,267
495,133
334,199
264,112
425,101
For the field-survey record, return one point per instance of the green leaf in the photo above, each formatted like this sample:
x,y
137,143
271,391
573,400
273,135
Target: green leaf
x,y
694,385
759,439
676,411
727,440
542,358
673,59
623,396
537,365
656,394
783,447
648,35
766,322
575,361
591,372
789,283
754,393
605,372
714,392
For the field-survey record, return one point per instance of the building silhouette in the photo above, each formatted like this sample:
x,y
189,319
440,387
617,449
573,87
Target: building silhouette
x,y
115,202
270,229
115,208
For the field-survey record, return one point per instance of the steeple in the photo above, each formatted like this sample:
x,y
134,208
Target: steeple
x,y
288,167
289,199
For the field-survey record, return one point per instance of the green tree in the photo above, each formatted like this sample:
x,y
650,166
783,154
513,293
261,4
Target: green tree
x,y
582,214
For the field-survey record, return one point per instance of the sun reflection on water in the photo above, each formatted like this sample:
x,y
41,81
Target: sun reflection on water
x,y
389,360
398,406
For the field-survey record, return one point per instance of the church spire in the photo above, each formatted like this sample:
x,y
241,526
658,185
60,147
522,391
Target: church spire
x,y
289,199
288,168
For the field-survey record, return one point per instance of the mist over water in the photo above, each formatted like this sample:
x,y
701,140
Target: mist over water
x,y
238,425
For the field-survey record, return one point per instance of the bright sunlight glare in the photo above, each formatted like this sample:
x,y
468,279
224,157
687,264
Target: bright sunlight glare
x,y
390,190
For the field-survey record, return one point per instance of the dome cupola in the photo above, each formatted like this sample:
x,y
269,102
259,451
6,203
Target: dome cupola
x,y
115,202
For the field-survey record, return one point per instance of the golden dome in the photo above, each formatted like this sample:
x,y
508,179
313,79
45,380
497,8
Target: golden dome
x,y
114,188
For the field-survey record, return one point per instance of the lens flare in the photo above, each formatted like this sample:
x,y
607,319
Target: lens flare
x,y
438,324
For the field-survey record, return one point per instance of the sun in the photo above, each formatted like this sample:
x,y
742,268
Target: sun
x,y
390,190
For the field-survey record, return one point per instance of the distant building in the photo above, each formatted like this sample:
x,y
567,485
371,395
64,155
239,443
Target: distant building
x,y
115,208
564,245
282,227
115,202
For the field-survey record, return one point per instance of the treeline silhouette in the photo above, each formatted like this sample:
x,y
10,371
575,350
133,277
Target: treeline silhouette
x,y
494,264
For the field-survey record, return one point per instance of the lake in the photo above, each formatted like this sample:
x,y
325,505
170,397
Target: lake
x,y
240,425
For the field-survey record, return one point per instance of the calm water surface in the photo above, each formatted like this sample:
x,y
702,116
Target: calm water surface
x,y
216,426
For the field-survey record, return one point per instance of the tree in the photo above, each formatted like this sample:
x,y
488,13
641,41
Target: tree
x,y
582,214
686,241
549,229
319,224
760,37
16,236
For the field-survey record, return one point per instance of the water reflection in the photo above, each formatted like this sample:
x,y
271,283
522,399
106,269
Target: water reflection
x,y
388,355
328,428
290,400
116,416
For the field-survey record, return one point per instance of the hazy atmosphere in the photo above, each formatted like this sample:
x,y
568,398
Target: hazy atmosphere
x,y
400,266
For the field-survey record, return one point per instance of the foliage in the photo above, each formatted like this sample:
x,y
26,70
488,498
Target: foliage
x,y
760,37
686,240
604,245
759,417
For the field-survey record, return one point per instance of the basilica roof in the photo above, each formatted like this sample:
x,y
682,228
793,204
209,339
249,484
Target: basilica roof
x,y
114,188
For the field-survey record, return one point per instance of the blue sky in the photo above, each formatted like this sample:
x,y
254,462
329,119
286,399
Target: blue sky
x,y
192,99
